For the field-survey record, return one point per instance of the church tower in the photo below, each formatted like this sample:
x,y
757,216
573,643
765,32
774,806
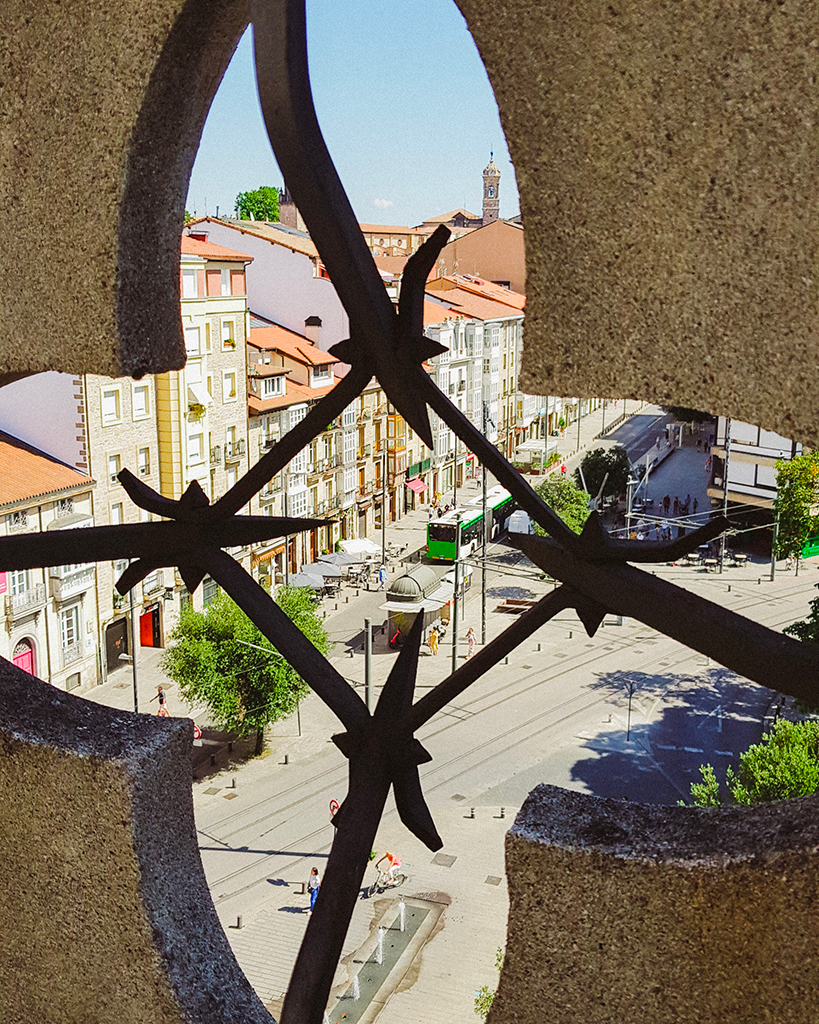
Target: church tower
x,y
491,192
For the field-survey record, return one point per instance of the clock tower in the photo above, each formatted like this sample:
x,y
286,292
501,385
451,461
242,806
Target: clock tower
x,y
491,190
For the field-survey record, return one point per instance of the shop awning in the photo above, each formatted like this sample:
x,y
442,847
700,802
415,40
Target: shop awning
x,y
418,486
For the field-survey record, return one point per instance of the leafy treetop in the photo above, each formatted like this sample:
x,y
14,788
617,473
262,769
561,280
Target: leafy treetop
x,y
600,461
797,494
244,688
785,764
260,204
682,414
566,499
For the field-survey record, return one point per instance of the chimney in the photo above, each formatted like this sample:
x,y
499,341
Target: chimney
x,y
312,329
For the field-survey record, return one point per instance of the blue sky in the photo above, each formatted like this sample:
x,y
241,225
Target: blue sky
x,y
404,103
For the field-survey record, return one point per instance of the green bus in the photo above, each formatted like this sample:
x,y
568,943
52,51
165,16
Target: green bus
x,y
442,533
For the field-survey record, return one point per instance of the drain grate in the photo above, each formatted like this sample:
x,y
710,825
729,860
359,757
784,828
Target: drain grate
x,y
444,860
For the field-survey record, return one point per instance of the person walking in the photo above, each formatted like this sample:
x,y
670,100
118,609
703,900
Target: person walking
x,y
470,640
313,886
382,578
563,469
432,640
162,697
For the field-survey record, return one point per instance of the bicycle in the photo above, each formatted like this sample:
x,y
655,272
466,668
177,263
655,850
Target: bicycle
x,y
383,881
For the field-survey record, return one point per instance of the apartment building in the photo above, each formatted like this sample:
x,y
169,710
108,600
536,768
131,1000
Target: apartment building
x,y
752,457
49,614
168,430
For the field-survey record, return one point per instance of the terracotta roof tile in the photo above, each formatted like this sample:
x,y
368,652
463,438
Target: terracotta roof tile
x,y
435,313
477,306
212,251
27,473
294,394
298,241
295,345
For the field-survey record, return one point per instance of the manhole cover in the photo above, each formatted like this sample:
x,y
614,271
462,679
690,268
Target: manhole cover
x,y
231,796
559,654
212,791
492,880
457,796
444,860
526,666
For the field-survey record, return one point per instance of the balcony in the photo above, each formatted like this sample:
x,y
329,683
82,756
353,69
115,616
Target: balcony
x,y
266,443
462,385
216,455
332,463
366,490
365,452
234,451
71,653
72,583
18,605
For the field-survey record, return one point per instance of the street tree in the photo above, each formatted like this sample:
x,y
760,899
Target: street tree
x,y
784,764
243,687
682,414
599,462
259,204
797,496
566,499
806,630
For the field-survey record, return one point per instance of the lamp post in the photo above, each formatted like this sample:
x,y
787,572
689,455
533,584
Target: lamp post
x,y
725,490
455,597
630,695
483,540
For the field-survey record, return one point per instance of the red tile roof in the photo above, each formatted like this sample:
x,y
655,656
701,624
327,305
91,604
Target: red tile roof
x,y
212,251
270,231
388,229
477,286
290,343
477,306
294,394
435,313
27,473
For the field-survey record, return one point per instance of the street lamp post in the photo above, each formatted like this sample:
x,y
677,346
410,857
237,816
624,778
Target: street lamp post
x,y
134,649
725,489
629,498
455,597
483,541
630,695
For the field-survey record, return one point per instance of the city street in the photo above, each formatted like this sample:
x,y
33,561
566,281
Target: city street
x,y
627,714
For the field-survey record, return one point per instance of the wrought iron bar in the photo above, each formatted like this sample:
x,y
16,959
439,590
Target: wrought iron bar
x,y
769,658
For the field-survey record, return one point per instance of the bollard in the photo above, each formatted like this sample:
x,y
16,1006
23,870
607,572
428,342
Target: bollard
x,y
347,599
239,921
213,758
232,783
570,634
336,606
538,646
286,759
358,593
471,812
402,913
303,888
729,588
505,661
502,812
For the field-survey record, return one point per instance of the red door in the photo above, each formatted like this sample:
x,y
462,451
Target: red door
x,y
24,657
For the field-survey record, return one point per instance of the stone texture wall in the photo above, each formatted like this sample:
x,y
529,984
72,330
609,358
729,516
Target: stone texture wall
x,y
106,912
626,912
101,108
667,163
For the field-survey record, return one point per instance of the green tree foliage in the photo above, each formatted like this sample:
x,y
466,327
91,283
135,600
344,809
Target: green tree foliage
x,y
244,689
260,204
705,793
188,217
682,414
784,765
797,494
600,461
566,499
806,630
485,995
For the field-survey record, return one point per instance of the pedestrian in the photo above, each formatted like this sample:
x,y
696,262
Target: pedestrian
x,y
666,503
563,469
162,697
432,640
708,464
695,506
470,640
382,578
440,513
676,505
313,886
687,501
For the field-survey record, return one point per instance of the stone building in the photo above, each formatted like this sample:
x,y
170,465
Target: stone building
x,y
49,615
